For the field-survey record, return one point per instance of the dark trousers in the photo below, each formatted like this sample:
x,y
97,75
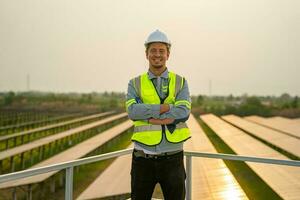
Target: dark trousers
x,y
168,171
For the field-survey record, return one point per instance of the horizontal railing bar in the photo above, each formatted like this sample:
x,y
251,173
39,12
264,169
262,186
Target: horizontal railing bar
x,y
244,158
64,165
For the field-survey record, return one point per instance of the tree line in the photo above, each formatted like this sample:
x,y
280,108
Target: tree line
x,y
244,105
267,106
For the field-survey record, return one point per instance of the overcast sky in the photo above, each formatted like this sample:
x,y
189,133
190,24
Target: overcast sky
x,y
242,46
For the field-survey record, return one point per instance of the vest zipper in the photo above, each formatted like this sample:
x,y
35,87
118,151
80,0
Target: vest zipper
x,y
163,127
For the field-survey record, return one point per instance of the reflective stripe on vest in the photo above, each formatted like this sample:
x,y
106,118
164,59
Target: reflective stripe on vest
x,y
183,102
150,134
129,103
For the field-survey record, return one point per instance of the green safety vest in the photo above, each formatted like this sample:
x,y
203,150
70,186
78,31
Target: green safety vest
x,y
150,134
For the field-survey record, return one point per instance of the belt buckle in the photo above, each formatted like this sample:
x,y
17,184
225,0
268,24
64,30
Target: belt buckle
x,y
138,153
151,156
148,156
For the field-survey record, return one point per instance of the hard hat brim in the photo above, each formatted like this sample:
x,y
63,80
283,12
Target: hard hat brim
x,y
148,43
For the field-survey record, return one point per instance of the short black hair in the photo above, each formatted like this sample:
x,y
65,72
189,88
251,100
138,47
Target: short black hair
x,y
168,46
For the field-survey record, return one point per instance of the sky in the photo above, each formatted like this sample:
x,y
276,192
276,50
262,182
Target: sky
x,y
221,47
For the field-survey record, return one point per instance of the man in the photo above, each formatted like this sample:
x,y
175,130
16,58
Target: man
x,y
158,102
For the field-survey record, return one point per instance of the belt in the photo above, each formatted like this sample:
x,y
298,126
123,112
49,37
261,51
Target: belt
x,y
140,153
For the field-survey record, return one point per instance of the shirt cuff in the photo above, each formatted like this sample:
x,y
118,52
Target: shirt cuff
x,y
156,111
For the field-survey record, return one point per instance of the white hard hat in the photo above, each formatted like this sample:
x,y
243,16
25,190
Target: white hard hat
x,y
157,36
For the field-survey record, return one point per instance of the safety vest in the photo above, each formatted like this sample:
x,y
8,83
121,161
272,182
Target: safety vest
x,y
150,134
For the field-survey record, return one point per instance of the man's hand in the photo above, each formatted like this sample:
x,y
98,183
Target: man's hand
x,y
164,108
161,121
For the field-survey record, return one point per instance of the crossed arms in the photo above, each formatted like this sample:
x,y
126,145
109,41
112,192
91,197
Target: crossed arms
x,y
159,113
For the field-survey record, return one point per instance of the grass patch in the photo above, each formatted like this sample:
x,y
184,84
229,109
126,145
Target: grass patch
x,y
251,183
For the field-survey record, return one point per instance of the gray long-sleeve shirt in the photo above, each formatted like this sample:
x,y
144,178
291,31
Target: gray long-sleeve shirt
x,y
141,111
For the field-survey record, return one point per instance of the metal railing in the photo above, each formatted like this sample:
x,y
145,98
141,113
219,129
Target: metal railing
x,y
69,166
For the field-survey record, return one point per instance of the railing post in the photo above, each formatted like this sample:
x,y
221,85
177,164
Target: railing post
x,y
14,193
69,184
188,177
29,192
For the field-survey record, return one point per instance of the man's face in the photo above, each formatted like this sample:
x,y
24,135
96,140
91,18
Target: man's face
x,y
157,54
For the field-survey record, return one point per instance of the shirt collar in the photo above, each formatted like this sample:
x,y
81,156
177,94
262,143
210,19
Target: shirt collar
x,y
165,74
